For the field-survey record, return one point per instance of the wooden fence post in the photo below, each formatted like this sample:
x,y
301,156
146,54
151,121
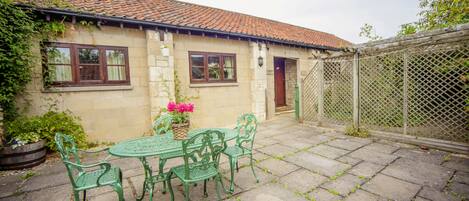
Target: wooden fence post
x,y
356,90
320,75
405,97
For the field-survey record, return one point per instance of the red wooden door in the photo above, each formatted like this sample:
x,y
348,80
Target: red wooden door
x,y
279,74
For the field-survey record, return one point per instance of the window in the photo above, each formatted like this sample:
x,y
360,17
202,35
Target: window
x,y
212,67
78,65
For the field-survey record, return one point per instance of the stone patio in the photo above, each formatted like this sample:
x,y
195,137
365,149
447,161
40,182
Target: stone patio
x,y
294,162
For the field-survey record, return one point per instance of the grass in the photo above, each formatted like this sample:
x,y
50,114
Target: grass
x,y
337,175
28,175
356,132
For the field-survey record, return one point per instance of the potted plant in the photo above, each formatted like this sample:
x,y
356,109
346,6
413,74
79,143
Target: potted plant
x,y
27,139
180,118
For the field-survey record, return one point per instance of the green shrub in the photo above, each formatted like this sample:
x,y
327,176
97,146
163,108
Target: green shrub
x,y
31,129
356,132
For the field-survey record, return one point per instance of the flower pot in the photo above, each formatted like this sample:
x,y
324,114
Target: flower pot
x,y
180,131
25,156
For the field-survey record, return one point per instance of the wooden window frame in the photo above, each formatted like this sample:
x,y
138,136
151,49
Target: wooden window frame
x,y
75,64
221,62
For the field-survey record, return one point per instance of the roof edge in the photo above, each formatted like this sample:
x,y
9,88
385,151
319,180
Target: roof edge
x,y
164,25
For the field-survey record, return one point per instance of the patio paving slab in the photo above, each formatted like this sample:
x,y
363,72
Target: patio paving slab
x,y
323,195
366,169
277,150
461,177
246,180
297,143
460,189
420,173
349,160
270,192
434,194
59,193
361,195
318,164
346,144
383,148
344,184
277,167
302,180
391,188
328,151
432,156
373,156
458,163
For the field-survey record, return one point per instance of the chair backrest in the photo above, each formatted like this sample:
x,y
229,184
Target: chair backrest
x,y
246,127
68,152
162,124
206,147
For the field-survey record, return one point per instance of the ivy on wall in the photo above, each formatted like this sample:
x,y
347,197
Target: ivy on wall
x,y
20,30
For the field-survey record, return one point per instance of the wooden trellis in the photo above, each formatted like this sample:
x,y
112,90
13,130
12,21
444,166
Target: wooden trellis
x,y
414,86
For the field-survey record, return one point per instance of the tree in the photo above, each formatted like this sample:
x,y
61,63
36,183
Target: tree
x,y
368,31
434,14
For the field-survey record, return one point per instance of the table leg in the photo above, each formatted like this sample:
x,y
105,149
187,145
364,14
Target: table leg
x,y
148,184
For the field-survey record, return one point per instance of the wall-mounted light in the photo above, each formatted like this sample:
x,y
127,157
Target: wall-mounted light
x,y
260,61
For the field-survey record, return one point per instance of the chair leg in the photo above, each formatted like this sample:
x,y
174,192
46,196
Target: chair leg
x,y
76,195
161,164
119,191
186,192
205,188
237,166
232,164
252,168
168,180
84,195
218,179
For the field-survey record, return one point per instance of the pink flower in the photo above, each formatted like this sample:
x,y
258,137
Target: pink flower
x,y
171,106
190,107
181,107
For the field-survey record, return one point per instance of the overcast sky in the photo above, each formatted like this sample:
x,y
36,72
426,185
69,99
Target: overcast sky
x,y
342,18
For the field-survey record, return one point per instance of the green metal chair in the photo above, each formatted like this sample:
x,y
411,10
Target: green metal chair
x,y
105,175
246,127
206,146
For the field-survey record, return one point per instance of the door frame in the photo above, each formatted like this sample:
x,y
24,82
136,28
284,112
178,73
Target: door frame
x,y
284,83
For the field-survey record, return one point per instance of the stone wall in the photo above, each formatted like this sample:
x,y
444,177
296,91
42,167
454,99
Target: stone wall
x,y
291,78
216,104
107,113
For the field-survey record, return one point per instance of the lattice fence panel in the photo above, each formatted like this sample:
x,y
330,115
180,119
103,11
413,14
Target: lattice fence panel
x,y
437,93
338,90
311,94
381,91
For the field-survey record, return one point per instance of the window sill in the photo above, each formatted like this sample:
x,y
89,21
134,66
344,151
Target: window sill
x,y
201,85
83,89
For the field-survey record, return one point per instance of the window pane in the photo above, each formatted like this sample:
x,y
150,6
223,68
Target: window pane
x,y
116,72
197,60
88,55
228,67
60,73
58,55
214,67
115,57
90,72
198,73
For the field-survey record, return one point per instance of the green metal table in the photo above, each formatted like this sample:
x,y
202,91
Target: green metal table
x,y
154,146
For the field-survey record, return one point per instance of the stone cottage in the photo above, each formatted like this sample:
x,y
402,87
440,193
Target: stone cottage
x,y
115,65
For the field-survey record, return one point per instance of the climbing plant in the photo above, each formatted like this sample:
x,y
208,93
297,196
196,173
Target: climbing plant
x,y
20,31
